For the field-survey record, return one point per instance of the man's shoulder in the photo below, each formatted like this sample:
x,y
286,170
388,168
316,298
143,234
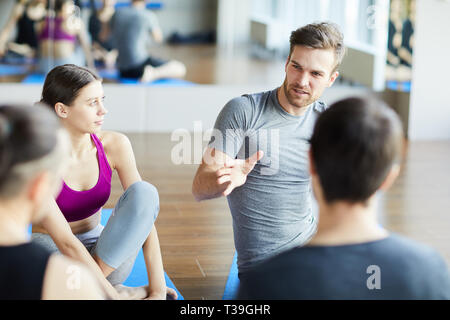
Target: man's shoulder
x,y
412,250
250,101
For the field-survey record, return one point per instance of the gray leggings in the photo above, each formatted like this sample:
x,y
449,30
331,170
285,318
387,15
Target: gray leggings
x,y
119,242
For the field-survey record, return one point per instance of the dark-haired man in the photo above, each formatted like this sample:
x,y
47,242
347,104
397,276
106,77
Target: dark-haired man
x,y
355,152
257,156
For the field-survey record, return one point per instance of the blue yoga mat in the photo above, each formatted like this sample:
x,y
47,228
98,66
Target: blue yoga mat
x,y
34,78
404,86
232,285
153,5
159,82
138,275
9,70
114,75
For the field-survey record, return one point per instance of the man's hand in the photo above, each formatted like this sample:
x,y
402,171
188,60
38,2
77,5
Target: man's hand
x,y
235,171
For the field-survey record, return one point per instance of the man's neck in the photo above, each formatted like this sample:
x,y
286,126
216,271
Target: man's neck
x,y
343,223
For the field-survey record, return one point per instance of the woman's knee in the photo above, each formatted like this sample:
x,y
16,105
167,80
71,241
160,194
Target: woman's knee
x,y
147,197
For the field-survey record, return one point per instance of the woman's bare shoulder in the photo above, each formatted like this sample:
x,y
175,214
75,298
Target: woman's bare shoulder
x,y
113,141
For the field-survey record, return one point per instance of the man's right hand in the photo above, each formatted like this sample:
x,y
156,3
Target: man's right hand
x,y
234,172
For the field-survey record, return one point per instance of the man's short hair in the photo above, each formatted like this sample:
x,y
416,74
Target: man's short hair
x,y
355,143
324,35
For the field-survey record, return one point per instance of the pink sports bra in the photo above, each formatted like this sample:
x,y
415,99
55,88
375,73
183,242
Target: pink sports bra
x,y
78,205
57,33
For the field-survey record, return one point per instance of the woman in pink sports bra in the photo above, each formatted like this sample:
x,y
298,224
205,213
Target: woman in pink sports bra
x,y
73,223
63,39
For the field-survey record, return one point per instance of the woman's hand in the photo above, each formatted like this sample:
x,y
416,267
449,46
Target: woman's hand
x,y
168,294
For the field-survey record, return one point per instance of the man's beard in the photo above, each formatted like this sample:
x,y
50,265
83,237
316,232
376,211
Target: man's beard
x,y
292,100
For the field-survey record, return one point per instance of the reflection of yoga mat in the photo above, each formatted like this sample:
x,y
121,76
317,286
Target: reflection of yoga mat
x,y
114,75
154,5
232,285
404,86
138,276
160,82
34,78
9,70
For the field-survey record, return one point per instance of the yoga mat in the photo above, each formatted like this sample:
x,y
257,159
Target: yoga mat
x,y
153,5
159,82
404,86
114,75
138,275
34,78
232,285
8,70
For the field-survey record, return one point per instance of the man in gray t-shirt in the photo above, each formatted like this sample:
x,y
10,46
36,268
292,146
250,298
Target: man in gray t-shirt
x,y
131,28
258,152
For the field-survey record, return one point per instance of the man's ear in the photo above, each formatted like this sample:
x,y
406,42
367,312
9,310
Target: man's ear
x,y
61,110
333,78
390,178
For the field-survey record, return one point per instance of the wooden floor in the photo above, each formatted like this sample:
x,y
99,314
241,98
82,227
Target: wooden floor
x,y
197,238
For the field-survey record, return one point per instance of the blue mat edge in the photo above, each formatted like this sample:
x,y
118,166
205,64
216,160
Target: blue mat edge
x,y
232,284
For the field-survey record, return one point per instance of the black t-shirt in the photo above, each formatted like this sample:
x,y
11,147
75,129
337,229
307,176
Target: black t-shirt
x,y
391,268
22,270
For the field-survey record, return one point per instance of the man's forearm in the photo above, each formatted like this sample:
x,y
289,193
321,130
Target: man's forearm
x,y
205,185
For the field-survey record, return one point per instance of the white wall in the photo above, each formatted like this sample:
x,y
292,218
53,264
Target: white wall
x,y
429,117
233,23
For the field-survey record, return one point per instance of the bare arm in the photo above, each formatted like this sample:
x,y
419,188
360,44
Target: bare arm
x,y
68,244
66,279
219,174
206,185
157,35
17,12
82,36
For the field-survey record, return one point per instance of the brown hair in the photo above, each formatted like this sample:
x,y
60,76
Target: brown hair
x,y
355,143
63,84
324,35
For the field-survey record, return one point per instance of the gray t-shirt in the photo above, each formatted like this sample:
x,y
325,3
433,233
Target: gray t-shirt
x,y
131,29
272,210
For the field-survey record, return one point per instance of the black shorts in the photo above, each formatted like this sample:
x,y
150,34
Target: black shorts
x,y
138,71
